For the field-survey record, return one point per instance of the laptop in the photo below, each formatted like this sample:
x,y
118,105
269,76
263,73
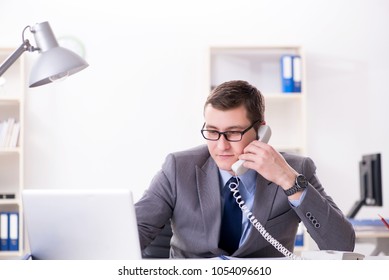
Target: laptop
x,y
88,224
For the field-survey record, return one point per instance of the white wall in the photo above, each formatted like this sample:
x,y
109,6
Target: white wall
x,y
113,123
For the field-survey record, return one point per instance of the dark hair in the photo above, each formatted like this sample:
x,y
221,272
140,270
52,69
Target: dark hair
x,y
232,94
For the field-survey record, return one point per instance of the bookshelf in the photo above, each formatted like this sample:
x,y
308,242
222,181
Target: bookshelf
x,y
285,112
11,149
261,66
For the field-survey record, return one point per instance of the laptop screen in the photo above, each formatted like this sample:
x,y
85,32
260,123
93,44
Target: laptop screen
x,y
76,224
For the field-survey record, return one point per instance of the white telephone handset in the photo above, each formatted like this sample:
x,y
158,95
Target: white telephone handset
x,y
264,133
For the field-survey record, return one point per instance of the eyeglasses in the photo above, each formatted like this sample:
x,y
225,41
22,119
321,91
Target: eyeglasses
x,y
231,136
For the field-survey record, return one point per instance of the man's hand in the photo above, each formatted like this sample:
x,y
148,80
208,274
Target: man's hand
x,y
268,162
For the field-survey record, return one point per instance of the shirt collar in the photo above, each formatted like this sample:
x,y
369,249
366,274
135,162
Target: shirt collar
x,y
248,179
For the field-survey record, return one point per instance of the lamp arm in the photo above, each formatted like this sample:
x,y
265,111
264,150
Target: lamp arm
x,y
25,46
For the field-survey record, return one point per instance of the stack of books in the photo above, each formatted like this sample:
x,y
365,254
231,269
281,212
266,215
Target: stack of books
x,y
9,133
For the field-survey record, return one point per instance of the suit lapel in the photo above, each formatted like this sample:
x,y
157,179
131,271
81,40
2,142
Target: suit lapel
x,y
264,197
208,188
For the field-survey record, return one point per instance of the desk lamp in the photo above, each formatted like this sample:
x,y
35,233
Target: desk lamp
x,y
54,63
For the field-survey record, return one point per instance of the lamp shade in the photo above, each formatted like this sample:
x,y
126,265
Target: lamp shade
x,y
55,64
54,61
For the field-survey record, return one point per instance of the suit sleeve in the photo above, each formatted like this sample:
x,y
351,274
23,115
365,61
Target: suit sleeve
x,y
324,221
155,207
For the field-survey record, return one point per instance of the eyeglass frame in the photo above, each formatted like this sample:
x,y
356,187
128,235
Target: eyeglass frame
x,y
224,133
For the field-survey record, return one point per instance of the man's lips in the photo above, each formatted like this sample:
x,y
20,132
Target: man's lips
x,y
225,156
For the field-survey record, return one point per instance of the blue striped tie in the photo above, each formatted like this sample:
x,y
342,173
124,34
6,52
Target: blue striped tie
x,y
231,226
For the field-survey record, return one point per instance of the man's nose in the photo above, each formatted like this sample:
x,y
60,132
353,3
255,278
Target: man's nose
x,y
223,143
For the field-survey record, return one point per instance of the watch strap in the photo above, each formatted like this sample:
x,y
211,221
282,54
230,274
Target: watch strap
x,y
299,185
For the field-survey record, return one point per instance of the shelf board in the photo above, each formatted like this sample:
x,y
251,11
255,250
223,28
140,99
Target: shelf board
x,y
5,150
249,50
289,148
10,255
12,201
9,100
276,95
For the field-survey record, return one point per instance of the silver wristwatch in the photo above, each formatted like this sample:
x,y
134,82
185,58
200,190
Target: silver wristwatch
x,y
300,184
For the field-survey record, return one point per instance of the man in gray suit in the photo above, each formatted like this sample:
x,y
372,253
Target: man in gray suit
x,y
280,189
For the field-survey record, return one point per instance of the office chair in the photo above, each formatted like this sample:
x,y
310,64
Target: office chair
x,y
159,248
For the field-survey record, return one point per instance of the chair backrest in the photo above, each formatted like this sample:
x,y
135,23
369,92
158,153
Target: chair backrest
x,y
159,248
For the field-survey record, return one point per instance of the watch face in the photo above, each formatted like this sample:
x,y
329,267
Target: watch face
x,y
302,181
300,184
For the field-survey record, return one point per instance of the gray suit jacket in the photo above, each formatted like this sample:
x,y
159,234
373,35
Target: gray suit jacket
x,y
187,191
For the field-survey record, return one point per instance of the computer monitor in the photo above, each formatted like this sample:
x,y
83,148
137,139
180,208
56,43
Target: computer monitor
x,y
370,180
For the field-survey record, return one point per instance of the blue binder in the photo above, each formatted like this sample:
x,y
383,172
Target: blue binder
x,y
296,73
4,231
287,73
13,222
299,241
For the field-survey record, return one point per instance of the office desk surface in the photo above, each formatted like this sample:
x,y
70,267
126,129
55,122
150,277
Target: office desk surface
x,y
371,234
378,237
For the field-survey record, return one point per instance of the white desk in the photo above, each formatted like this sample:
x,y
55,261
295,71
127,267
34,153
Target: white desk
x,y
379,237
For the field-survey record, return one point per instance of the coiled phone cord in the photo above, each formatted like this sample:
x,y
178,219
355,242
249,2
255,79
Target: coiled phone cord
x,y
253,220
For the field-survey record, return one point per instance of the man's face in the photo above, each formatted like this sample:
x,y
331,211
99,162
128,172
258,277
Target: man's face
x,y
226,153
